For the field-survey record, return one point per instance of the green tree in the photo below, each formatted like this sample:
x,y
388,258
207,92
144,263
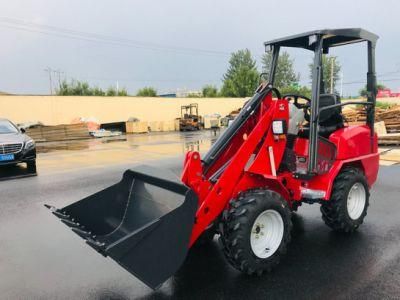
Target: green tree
x,y
327,63
85,89
98,92
241,78
210,91
63,89
122,92
296,89
147,92
285,75
79,88
111,92
74,88
194,95
379,86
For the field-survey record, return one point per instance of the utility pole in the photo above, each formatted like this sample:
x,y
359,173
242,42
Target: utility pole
x,y
58,72
49,70
332,65
117,88
341,84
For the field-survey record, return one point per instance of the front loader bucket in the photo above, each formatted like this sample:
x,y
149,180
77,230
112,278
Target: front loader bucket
x,y
144,222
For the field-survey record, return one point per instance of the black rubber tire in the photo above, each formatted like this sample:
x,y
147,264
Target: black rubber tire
x,y
334,212
31,166
206,237
237,223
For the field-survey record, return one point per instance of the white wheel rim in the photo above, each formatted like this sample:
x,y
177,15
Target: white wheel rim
x,y
356,200
267,233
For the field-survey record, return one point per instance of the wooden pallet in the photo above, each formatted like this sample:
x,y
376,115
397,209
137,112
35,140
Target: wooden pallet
x,y
389,139
58,132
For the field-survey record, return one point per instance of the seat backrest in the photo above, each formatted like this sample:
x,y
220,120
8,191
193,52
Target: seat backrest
x,y
333,114
330,114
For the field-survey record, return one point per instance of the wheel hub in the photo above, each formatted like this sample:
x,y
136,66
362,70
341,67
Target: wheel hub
x,y
356,200
267,233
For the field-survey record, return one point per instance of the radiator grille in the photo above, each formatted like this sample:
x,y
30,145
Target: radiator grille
x,y
10,148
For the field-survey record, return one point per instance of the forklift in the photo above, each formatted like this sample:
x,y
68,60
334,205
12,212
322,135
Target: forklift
x,y
190,119
277,154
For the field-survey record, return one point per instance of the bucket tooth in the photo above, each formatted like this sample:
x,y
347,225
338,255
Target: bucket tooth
x,y
70,223
56,212
60,215
49,206
99,247
83,234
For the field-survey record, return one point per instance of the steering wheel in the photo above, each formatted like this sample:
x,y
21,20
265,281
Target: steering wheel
x,y
296,98
304,106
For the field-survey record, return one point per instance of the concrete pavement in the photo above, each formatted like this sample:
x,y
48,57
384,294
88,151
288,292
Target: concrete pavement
x,y
41,259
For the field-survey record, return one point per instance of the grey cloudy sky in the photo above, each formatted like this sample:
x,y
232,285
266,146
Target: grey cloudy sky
x,y
158,31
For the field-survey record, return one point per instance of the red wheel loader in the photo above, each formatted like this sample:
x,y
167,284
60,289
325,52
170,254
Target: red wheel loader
x,y
278,153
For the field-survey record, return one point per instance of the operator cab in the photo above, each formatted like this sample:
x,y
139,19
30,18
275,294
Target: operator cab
x,y
312,123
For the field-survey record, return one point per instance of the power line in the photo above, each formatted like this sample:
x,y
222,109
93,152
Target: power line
x,y
364,81
130,79
23,25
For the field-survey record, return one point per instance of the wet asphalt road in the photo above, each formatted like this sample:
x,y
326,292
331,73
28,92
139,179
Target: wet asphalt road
x,y
41,259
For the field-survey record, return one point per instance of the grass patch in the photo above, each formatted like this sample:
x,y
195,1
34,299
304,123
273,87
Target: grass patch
x,y
384,105
379,104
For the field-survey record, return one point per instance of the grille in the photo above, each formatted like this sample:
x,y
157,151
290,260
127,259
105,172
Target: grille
x,y
10,148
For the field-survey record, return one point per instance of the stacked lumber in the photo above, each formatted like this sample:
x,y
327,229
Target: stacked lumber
x,y
167,125
389,139
387,123
155,126
391,117
58,132
137,127
354,115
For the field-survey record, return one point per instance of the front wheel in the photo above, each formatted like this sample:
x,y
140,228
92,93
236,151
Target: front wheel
x,y
256,231
346,209
31,165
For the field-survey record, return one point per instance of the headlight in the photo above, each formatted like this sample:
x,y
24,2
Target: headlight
x,y
29,144
279,127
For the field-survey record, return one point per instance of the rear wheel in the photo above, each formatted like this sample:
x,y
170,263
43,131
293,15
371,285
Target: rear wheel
x,y
256,231
347,207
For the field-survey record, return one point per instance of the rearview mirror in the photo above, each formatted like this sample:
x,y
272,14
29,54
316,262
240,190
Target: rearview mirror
x,y
22,130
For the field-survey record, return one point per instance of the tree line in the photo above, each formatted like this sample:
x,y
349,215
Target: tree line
x,y
82,88
79,88
240,80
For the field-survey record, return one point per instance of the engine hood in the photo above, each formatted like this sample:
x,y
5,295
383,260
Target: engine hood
x,y
13,138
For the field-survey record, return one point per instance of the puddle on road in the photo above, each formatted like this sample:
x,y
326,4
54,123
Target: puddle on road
x,y
76,144
179,142
129,149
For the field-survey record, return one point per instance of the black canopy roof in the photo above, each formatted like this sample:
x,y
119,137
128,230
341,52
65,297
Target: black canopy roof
x,y
331,37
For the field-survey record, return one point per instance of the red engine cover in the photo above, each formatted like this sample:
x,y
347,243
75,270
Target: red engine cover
x,y
352,141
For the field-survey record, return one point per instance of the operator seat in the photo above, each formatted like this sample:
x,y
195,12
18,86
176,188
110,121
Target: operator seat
x,y
329,120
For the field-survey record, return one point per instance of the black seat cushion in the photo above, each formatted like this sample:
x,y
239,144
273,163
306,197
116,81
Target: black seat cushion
x,y
329,120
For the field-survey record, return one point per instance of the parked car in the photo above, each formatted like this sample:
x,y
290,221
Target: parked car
x,y
15,146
